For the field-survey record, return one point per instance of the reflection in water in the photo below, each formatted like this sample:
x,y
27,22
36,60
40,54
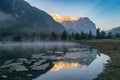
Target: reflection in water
x,y
49,61
60,65
85,72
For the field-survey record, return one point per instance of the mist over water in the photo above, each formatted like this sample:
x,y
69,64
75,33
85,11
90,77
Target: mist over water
x,y
49,61
39,45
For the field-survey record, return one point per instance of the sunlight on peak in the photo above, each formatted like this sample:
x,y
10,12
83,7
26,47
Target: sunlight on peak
x,y
59,18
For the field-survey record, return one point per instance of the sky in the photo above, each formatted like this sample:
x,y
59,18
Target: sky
x,y
104,13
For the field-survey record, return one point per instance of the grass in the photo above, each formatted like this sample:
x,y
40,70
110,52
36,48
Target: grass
x,y
112,49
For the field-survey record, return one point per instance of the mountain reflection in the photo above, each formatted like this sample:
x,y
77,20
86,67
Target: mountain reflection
x,y
60,65
29,63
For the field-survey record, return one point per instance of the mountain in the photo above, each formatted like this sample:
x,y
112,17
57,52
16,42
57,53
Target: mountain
x,y
20,16
115,30
61,19
75,24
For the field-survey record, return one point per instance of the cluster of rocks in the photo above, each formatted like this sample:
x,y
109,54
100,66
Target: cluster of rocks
x,y
40,62
24,64
37,60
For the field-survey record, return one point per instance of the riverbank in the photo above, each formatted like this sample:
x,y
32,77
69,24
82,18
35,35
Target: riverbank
x,y
112,49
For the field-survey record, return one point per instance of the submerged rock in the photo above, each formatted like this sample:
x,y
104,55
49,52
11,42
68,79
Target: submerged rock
x,y
59,52
73,50
8,62
21,60
18,68
37,56
10,65
4,76
41,67
14,67
37,63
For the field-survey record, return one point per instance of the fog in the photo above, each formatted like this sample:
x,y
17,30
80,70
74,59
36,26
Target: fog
x,y
38,45
6,20
5,17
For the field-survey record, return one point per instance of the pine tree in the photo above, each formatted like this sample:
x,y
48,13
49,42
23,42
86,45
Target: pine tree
x,y
77,36
103,34
117,35
64,35
98,33
0,39
82,35
53,36
90,36
109,36
73,35
17,38
86,36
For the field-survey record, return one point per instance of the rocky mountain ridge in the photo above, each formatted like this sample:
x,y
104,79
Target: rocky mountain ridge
x,y
76,24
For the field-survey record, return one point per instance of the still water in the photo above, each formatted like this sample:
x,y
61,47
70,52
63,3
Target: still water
x,y
50,61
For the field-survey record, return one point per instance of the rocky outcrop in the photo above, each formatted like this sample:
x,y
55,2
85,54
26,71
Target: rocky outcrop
x,y
76,24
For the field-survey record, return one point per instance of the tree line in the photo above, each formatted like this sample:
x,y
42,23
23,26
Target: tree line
x,y
55,36
85,36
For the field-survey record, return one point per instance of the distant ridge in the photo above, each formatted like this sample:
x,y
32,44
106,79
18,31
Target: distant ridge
x,y
115,30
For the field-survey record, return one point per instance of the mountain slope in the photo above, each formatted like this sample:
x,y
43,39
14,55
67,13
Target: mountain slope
x,y
115,30
75,24
25,17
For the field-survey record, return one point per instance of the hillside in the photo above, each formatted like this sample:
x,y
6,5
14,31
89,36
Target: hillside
x,y
115,30
20,16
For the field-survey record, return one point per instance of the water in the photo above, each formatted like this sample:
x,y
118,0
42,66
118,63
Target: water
x,y
76,72
50,61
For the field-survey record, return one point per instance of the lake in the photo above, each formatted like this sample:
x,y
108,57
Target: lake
x,y
50,61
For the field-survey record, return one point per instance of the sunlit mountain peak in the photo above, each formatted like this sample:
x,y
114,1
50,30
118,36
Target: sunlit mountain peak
x,y
59,18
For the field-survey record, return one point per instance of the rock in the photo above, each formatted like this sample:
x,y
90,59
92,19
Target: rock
x,y
10,65
8,62
4,76
37,56
73,49
50,52
32,61
37,63
59,52
22,60
57,58
18,68
48,57
41,67
15,67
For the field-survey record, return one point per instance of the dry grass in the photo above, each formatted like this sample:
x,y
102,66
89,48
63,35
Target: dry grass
x,y
111,48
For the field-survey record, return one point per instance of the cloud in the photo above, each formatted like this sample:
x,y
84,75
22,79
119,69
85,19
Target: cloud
x,y
5,17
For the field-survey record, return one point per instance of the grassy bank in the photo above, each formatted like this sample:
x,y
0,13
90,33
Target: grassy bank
x,y
111,48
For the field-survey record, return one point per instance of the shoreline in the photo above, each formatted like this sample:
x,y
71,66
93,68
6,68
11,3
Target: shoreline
x,y
112,49
109,47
